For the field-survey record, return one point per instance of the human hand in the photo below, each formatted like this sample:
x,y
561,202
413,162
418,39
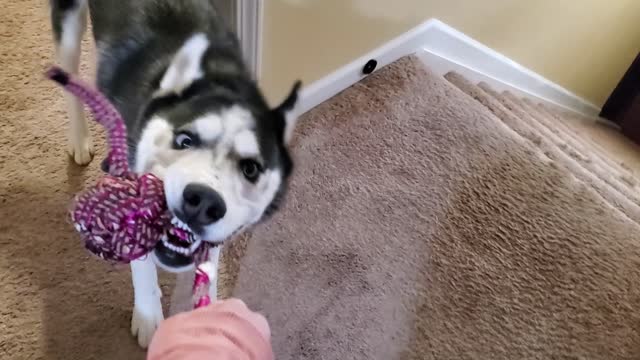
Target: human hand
x,y
223,330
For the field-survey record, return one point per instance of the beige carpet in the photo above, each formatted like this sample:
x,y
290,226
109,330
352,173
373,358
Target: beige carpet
x,y
423,223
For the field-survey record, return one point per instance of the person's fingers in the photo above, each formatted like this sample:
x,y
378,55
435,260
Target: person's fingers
x,y
257,320
234,305
231,315
260,323
239,308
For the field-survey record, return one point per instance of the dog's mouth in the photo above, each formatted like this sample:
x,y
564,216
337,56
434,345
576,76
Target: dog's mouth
x,y
181,239
180,248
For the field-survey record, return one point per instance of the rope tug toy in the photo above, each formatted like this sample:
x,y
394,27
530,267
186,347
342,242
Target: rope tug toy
x,y
124,216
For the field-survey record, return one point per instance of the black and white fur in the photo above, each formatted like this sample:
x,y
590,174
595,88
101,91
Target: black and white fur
x,y
195,118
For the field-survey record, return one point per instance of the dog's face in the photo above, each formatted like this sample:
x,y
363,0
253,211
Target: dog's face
x,y
223,163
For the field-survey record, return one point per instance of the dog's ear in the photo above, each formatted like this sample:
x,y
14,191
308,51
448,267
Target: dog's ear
x,y
287,110
186,66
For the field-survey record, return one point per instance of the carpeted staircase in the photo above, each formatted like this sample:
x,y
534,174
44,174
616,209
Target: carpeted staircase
x,y
432,218
428,218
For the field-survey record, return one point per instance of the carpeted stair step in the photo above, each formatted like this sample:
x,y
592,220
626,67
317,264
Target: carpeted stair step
x,y
583,159
529,128
588,158
584,146
576,122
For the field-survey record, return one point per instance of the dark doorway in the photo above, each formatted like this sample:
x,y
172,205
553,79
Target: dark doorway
x,y
623,106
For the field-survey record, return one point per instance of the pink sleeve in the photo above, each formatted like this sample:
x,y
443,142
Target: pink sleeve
x,y
222,331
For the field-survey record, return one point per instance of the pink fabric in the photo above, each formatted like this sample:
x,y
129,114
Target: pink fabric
x,y
226,330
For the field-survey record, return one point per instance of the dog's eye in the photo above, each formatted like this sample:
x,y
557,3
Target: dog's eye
x,y
184,140
250,169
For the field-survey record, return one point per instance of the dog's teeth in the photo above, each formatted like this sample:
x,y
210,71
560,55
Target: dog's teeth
x,y
178,249
192,239
193,247
183,226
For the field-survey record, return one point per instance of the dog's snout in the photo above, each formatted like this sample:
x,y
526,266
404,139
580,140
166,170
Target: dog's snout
x,y
202,205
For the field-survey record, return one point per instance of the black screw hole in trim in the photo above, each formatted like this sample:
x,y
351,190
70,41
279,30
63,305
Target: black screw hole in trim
x,y
369,67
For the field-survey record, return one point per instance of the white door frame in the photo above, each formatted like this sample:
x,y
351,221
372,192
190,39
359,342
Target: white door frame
x,y
249,16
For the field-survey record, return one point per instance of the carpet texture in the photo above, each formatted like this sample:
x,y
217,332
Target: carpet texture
x,y
428,218
424,223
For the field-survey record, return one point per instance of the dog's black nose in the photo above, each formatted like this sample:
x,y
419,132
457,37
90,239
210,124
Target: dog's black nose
x,y
202,205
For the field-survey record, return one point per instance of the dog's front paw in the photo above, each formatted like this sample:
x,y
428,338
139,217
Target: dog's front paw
x,y
147,316
81,152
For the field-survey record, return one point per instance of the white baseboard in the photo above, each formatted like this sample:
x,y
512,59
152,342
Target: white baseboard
x,y
325,88
445,49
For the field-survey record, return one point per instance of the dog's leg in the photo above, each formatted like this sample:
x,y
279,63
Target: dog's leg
x,y
147,308
69,22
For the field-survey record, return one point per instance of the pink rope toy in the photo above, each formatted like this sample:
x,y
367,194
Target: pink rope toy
x,y
123,216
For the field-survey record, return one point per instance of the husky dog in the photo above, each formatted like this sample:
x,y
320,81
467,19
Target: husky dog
x,y
195,118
